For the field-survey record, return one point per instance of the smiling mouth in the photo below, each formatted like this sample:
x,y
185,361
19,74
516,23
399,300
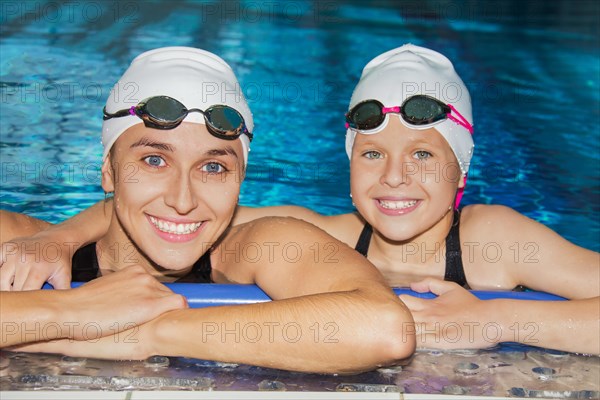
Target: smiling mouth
x,y
396,205
173,228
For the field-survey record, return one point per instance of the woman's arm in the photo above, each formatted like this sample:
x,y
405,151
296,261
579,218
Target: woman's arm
x,y
27,261
105,306
332,312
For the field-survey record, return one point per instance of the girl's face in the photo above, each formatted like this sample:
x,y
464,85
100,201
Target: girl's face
x,y
175,191
403,180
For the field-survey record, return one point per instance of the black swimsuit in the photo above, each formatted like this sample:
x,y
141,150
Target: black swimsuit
x,y
454,266
85,267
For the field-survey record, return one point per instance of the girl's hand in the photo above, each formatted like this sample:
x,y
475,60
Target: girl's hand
x,y
27,263
456,319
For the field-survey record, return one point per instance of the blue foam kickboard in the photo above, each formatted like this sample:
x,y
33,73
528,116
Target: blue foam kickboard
x,y
208,295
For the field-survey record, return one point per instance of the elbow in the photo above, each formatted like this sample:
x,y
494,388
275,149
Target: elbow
x,y
393,337
400,341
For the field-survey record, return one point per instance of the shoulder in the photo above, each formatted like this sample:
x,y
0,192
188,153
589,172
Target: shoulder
x,y
245,214
488,235
262,237
488,212
269,242
496,220
275,228
344,227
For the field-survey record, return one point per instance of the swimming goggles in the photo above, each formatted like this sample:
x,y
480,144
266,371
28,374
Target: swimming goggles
x,y
164,112
417,110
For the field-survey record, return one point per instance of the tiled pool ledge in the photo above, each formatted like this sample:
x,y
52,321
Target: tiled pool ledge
x,y
513,372
226,395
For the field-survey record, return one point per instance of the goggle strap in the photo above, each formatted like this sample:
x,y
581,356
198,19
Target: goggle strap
x,y
459,194
462,121
118,114
386,110
132,110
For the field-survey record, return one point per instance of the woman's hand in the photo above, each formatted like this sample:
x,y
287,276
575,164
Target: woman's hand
x,y
117,302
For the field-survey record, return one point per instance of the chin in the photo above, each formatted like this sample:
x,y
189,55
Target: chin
x,y
176,264
393,233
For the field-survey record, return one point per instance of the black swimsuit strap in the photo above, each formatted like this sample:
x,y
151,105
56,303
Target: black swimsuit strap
x,y
200,272
85,264
364,240
85,267
454,267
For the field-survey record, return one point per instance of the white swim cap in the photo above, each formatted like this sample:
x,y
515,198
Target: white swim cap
x,y
409,70
194,77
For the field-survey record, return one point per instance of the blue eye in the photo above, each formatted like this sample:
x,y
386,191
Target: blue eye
x,y
213,168
373,155
422,155
154,161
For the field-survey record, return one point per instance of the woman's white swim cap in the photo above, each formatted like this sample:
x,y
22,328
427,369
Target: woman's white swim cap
x,y
409,70
194,77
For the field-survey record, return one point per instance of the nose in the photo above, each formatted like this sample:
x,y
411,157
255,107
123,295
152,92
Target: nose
x,y
181,195
396,172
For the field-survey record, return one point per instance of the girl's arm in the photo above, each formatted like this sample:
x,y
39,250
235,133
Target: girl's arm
x,y
458,320
500,250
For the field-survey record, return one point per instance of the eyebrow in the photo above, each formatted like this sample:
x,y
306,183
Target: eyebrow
x,y
166,147
222,152
152,143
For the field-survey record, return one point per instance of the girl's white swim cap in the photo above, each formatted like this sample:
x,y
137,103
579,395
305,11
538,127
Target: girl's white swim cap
x,y
194,77
409,70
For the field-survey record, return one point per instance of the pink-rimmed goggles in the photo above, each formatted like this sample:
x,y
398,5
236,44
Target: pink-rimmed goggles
x,y
417,110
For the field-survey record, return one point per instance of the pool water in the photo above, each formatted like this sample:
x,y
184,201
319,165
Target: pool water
x,y
533,69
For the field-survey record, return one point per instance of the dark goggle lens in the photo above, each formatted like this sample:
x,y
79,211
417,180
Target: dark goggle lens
x,y
225,120
421,110
165,109
366,116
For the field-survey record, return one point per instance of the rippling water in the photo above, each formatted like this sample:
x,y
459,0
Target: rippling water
x,y
533,69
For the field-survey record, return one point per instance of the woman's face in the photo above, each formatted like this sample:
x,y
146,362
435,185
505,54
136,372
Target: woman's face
x,y
403,180
175,191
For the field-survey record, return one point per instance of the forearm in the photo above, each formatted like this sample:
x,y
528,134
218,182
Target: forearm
x,y
32,316
331,333
14,225
562,325
86,227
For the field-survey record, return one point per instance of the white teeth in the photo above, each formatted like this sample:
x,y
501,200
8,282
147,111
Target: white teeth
x,y
173,228
396,205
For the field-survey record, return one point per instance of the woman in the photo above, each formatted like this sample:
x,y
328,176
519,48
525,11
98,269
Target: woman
x,y
174,160
410,143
